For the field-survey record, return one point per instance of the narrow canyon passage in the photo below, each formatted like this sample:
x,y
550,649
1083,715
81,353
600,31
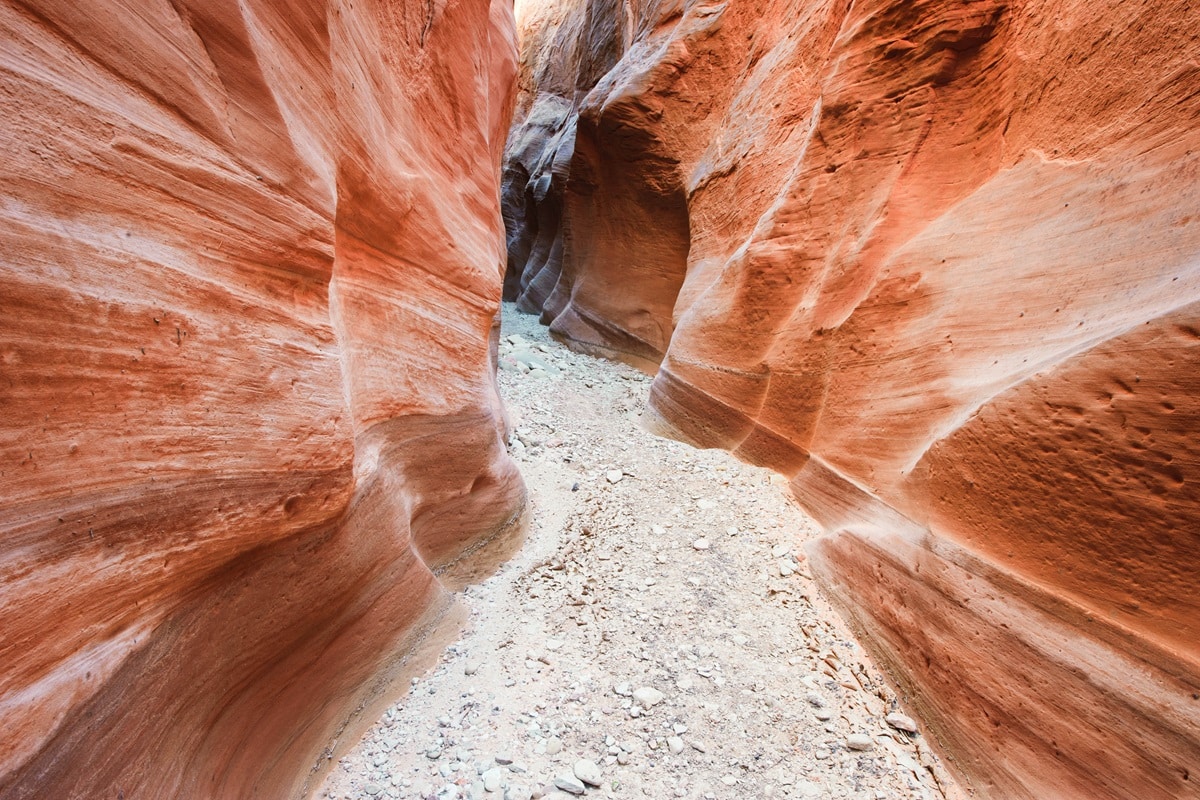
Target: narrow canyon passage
x,y
928,268
647,564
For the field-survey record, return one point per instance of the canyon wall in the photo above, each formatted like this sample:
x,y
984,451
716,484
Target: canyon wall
x,y
938,262
250,425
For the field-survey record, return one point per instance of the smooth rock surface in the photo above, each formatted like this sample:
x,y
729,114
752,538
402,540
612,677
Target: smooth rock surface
x,y
938,264
247,291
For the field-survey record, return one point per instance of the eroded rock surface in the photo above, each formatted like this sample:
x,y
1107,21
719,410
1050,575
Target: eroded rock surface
x,y
246,295
939,263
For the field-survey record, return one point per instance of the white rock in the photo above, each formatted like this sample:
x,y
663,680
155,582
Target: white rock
x,y
614,475
648,696
859,741
701,544
588,772
675,744
553,746
901,723
491,779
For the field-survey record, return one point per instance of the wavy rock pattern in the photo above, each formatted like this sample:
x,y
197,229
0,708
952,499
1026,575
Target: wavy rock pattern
x,y
246,302
939,263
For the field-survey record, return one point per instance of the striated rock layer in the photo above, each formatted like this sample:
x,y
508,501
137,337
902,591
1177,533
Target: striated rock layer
x,y
249,415
939,263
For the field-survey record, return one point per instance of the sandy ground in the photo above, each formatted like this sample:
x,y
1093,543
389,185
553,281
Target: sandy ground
x,y
658,635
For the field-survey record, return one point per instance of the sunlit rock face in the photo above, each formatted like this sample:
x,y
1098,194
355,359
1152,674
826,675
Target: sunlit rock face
x,y
939,263
247,288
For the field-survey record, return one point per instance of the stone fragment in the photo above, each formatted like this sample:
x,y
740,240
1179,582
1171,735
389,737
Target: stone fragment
x,y
492,779
587,771
569,784
859,741
901,722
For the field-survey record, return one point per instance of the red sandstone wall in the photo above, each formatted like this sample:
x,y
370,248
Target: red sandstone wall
x,y
939,263
246,295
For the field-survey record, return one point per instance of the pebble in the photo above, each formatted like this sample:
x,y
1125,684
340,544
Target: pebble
x,y
859,741
614,475
553,746
587,771
675,744
503,759
901,723
648,696
518,793
491,779
701,544
569,783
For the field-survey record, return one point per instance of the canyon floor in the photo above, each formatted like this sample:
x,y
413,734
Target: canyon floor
x,y
658,634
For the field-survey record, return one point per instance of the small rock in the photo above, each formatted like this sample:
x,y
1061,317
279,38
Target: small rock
x,y
569,783
518,793
588,772
553,746
675,744
614,475
472,666
491,779
786,568
503,759
701,544
859,741
648,696
623,689
705,505
433,753
901,723
815,699
373,789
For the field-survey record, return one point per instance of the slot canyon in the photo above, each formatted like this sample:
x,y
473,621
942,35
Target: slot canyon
x,y
830,368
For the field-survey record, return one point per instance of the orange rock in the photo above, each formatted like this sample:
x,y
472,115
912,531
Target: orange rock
x,y
938,263
247,290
